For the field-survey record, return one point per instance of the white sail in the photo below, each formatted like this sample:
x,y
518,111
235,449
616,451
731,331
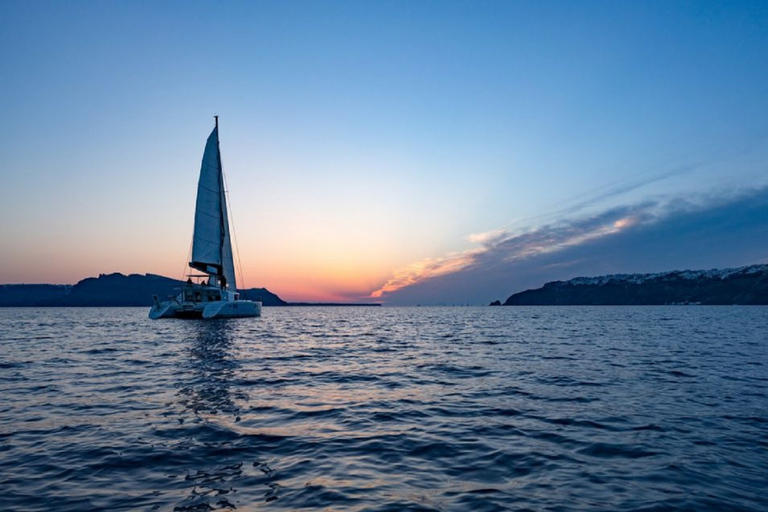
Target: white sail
x,y
211,244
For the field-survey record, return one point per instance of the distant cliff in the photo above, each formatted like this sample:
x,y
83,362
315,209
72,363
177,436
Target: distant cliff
x,y
109,290
746,285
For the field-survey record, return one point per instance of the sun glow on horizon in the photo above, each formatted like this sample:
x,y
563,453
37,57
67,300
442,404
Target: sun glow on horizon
x,y
318,280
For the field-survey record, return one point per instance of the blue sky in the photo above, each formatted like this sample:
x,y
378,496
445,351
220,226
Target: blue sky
x,y
400,149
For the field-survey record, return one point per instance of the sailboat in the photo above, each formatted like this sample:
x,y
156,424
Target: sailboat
x,y
213,293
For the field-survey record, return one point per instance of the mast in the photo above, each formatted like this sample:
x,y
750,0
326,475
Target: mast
x,y
223,219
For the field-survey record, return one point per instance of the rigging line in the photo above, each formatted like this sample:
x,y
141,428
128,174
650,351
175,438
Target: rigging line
x,y
189,258
232,229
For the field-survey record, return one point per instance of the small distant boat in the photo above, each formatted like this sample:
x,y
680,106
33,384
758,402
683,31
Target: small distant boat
x,y
213,294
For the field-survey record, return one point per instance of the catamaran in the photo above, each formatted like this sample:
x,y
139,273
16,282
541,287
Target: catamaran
x,y
213,293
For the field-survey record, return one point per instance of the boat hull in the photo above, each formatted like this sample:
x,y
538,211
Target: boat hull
x,y
164,310
209,310
232,309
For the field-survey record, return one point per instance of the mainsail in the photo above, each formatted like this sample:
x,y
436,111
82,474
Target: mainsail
x,y
211,244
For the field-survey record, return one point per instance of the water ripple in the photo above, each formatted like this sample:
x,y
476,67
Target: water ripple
x,y
386,409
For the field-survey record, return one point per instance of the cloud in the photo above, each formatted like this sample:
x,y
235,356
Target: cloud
x,y
500,245
425,269
651,236
487,237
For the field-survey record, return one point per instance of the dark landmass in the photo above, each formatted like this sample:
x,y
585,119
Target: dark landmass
x,y
32,294
742,286
109,290
331,304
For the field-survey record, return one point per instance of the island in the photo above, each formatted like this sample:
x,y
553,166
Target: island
x,y
118,290
735,286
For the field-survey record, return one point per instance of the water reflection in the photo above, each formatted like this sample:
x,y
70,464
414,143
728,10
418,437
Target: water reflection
x,y
226,459
212,363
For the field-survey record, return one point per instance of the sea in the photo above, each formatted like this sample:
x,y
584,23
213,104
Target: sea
x,y
386,409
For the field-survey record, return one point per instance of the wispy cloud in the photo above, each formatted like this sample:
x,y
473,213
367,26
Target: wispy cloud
x,y
508,246
646,235
488,237
425,269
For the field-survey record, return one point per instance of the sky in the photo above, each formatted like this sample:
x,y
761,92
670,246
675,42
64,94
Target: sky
x,y
399,152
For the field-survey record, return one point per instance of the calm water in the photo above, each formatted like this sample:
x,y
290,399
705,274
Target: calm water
x,y
460,409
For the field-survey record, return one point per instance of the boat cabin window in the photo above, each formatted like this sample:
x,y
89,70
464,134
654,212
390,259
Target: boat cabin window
x,y
194,294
